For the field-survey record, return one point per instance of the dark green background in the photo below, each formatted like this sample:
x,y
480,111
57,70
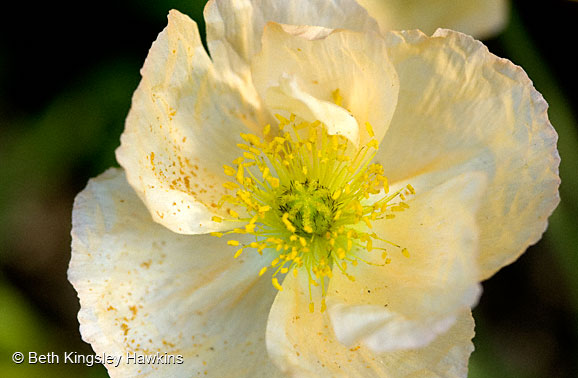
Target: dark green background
x,y
67,73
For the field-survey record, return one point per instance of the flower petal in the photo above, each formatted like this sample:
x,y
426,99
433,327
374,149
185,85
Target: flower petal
x,y
234,27
409,302
303,344
482,19
144,289
303,76
179,132
463,109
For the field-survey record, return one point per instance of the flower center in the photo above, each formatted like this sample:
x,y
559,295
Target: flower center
x,y
309,205
309,199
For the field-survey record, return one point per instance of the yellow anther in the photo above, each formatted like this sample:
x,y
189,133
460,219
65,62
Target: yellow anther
x,y
336,195
238,253
276,284
262,271
337,99
337,215
405,252
373,143
347,188
217,234
274,181
250,138
230,185
243,146
233,213
334,142
217,219
287,222
367,222
369,129
410,188
240,174
358,208
266,172
233,242
229,171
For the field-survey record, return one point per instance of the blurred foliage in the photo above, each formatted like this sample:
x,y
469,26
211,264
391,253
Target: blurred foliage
x,y
24,330
55,136
79,130
562,232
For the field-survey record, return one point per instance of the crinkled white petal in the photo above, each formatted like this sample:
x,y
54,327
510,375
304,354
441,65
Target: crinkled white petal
x,y
462,109
409,302
146,290
301,75
234,27
288,96
179,132
482,19
302,344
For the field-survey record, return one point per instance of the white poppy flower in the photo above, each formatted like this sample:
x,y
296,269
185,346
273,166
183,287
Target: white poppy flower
x,y
313,199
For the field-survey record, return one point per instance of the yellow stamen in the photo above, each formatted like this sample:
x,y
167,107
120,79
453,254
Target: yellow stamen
x,y
276,284
307,200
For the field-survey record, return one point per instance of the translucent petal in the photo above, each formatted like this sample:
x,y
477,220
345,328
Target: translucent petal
x,y
183,121
144,289
462,109
310,77
410,301
482,19
303,344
